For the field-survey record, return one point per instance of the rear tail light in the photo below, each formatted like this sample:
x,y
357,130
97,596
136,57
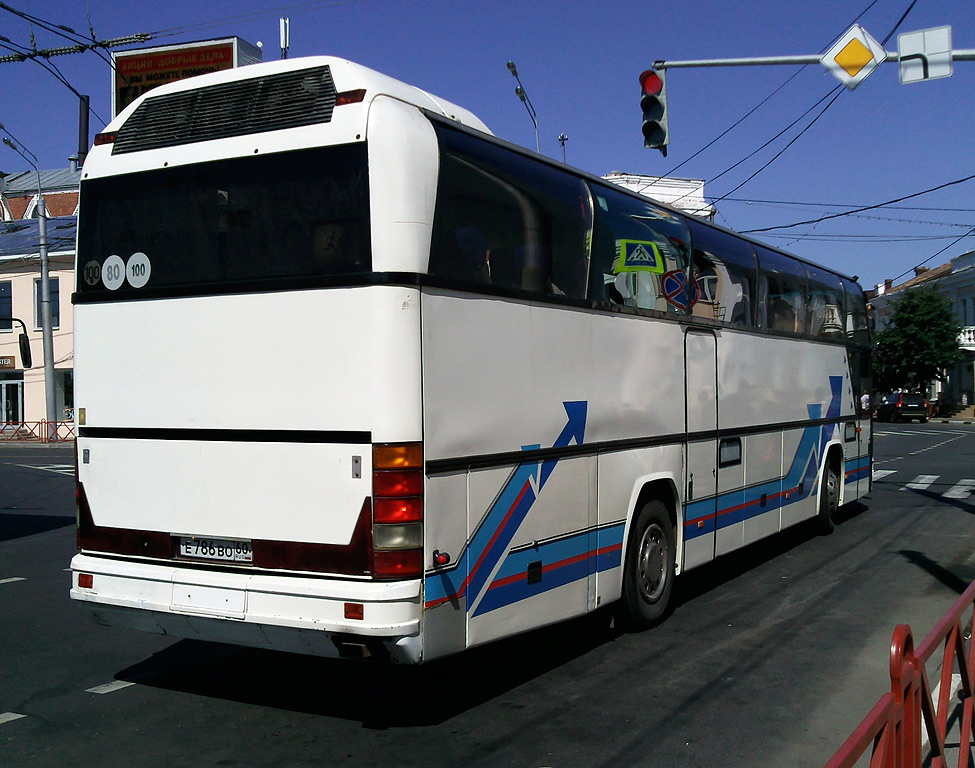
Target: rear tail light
x,y
350,97
105,138
397,516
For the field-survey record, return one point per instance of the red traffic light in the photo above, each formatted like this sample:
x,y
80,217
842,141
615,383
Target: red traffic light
x,y
651,83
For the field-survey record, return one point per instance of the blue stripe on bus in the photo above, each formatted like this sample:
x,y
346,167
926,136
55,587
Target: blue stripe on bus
x,y
700,517
563,562
502,521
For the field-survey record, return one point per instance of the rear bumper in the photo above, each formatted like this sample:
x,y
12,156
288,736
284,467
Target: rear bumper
x,y
292,613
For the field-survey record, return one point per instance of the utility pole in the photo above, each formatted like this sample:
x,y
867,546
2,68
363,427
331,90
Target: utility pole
x,y
51,431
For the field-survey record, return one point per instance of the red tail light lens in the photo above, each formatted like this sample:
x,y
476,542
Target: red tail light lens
x,y
398,564
397,483
397,515
409,510
105,138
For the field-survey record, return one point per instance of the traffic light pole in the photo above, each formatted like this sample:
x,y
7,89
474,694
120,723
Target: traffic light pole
x,y
958,55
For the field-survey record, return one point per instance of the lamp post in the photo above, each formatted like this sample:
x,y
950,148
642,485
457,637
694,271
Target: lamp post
x,y
523,95
46,333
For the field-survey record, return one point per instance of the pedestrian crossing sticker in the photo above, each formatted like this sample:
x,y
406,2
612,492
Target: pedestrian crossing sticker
x,y
639,256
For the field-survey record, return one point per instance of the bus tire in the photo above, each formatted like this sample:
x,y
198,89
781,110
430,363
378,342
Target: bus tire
x,y
648,574
829,499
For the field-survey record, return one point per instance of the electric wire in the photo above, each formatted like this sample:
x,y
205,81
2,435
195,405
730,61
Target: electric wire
x,y
754,109
841,214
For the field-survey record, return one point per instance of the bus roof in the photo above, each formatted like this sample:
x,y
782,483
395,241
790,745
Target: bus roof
x,y
347,75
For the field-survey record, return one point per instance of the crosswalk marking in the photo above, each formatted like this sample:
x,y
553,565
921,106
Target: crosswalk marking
x,y
116,685
9,717
921,482
961,490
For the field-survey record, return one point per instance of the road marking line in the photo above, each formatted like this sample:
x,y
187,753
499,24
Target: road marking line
x,y
9,717
12,579
58,469
961,490
921,482
880,474
115,685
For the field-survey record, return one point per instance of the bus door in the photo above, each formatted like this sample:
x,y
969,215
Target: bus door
x,y
701,448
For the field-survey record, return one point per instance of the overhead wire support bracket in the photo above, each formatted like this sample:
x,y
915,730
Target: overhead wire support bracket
x,y
47,53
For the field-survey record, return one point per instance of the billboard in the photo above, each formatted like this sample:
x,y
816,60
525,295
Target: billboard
x,y
138,71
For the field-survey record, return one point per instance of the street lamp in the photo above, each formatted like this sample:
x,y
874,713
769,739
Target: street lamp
x,y
46,334
523,95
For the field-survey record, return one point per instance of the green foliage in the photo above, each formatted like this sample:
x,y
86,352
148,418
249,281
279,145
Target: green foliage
x,y
919,342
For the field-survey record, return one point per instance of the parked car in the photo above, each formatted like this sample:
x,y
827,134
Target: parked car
x,y
903,406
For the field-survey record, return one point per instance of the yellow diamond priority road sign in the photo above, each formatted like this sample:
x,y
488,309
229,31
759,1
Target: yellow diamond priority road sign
x,y
854,56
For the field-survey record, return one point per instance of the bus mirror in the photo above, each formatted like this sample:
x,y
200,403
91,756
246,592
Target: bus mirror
x,y
25,350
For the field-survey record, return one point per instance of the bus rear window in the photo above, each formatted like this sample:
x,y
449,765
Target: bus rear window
x,y
253,223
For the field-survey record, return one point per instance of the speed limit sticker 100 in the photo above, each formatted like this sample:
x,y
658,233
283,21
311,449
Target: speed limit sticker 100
x,y
114,272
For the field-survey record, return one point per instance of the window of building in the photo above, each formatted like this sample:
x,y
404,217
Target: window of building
x,y
6,307
55,303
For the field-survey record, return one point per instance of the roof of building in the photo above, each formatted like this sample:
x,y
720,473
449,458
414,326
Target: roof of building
x,y
25,182
929,274
19,238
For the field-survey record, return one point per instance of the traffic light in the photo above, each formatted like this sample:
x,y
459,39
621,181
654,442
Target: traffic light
x,y
653,101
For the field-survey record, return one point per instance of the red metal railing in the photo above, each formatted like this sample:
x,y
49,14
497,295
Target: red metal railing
x,y
40,431
893,726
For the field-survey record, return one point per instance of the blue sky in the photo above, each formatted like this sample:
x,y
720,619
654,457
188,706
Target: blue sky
x,y
580,64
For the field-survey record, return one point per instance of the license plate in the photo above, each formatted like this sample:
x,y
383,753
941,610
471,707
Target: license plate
x,y
223,550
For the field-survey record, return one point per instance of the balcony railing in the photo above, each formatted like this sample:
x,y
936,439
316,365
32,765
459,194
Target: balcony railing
x,y
967,337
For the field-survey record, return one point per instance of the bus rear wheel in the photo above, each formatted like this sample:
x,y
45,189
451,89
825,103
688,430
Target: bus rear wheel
x,y
829,499
648,574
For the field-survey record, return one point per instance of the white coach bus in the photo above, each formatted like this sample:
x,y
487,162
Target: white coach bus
x,y
354,377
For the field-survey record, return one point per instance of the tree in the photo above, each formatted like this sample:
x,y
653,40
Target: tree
x,y
919,342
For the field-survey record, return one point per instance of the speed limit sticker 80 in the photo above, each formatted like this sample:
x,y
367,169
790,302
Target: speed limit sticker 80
x,y
114,272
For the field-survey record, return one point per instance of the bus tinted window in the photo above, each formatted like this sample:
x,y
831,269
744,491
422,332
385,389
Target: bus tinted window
x,y
640,253
725,271
508,221
857,328
824,304
258,219
782,291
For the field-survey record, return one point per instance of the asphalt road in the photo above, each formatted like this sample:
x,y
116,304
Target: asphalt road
x,y
771,656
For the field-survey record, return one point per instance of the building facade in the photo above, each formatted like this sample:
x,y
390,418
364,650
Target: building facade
x,y
956,282
22,389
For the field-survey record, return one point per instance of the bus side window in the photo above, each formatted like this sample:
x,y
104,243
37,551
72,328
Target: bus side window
x,y
825,300
509,221
724,269
636,246
785,285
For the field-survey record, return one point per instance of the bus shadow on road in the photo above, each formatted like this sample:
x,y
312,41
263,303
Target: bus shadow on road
x,y
383,696
729,567
15,525
379,696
